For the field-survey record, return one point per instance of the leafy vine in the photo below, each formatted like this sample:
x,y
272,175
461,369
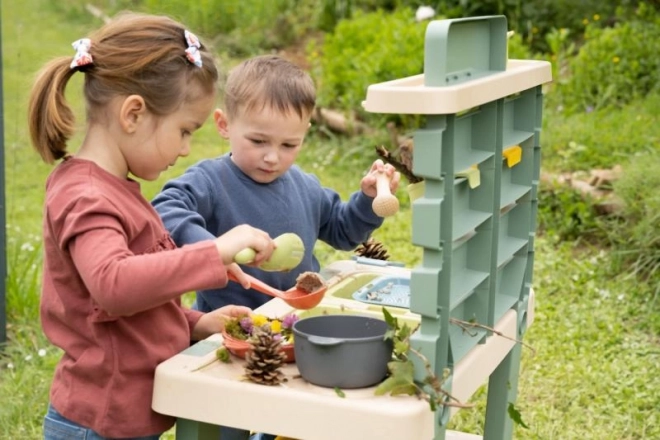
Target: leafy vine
x,y
401,379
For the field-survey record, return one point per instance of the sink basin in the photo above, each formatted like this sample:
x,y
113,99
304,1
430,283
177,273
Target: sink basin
x,y
347,279
386,290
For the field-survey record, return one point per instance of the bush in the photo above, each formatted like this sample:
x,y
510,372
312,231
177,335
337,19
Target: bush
x,y
565,214
634,235
518,49
615,65
367,49
242,28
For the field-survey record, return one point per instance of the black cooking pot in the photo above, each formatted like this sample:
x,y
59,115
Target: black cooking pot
x,y
343,351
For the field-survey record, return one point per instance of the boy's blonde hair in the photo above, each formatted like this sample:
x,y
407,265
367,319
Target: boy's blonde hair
x,y
269,81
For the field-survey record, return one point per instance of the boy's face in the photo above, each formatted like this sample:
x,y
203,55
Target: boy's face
x,y
264,143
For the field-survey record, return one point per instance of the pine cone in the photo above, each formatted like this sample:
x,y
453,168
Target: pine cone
x,y
265,358
372,249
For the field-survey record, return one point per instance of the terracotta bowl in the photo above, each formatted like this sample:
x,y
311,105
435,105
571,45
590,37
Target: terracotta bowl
x,y
239,348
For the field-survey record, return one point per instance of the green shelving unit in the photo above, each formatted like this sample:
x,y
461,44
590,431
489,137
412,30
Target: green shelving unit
x,y
479,155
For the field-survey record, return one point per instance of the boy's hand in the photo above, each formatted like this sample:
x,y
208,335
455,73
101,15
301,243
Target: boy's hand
x,y
241,237
368,182
214,322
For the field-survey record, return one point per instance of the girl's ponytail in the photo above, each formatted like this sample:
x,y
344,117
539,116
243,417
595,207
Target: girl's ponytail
x,y
50,118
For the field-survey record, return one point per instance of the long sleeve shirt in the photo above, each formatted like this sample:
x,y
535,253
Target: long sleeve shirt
x,y
112,282
214,195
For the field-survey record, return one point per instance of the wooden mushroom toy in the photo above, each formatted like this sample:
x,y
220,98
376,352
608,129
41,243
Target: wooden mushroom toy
x,y
385,204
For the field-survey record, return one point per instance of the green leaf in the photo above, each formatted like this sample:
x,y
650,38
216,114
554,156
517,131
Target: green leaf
x,y
395,386
389,319
515,415
340,392
405,331
390,334
400,380
401,348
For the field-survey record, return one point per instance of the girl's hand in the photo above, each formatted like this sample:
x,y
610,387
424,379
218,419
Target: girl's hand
x,y
236,270
368,182
214,322
241,237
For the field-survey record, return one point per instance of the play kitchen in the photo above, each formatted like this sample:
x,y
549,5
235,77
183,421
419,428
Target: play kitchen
x,y
333,368
339,348
474,221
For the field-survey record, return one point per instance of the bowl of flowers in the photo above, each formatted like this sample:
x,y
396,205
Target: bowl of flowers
x,y
238,331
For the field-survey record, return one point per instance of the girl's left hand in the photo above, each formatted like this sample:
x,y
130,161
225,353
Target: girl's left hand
x,y
368,182
214,322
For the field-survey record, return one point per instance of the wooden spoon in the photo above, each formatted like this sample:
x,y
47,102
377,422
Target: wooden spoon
x,y
295,296
385,203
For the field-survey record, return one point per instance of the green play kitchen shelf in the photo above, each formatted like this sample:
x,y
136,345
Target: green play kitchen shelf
x,y
479,156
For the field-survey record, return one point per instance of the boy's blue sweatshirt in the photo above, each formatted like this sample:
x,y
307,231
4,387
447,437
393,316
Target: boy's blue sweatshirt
x,y
214,195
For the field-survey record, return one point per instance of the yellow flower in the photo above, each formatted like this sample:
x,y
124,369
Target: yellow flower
x,y
616,59
276,326
596,17
259,320
585,21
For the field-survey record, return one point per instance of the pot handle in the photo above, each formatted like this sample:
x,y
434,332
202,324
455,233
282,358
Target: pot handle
x,y
322,340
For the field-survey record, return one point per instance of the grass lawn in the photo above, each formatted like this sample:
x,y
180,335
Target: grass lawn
x,y
595,371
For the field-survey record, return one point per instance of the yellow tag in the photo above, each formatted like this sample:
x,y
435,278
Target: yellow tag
x,y
513,155
472,175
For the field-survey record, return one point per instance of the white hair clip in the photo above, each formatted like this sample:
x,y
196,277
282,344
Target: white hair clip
x,y
192,53
82,57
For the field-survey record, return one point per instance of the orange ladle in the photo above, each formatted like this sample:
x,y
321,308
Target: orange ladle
x,y
295,297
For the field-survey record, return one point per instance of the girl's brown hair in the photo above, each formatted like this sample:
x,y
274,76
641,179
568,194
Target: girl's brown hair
x,y
134,54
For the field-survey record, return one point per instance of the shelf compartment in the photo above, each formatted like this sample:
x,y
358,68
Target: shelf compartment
x,y
517,181
512,192
513,233
471,207
509,285
469,265
519,117
460,340
515,137
472,137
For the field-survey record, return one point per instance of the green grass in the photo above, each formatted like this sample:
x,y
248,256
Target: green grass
x,y
600,139
594,374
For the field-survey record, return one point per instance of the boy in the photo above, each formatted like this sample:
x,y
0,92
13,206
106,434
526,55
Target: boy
x,y
268,105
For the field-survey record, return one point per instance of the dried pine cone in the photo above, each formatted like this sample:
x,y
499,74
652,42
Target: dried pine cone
x,y
265,359
372,249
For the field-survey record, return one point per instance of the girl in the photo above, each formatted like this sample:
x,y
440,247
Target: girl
x,y
112,276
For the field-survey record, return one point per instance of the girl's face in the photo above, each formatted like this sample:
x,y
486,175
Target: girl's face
x,y
264,143
166,138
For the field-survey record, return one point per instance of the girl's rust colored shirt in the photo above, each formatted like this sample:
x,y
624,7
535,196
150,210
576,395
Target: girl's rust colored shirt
x,y
112,282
